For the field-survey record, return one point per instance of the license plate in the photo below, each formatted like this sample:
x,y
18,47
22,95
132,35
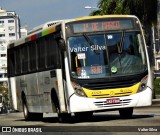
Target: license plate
x,y
113,101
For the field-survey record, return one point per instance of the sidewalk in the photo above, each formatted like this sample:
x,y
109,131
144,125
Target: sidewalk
x,y
156,101
157,96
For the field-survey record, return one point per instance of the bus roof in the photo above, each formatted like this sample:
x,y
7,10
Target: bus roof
x,y
50,27
37,32
44,26
103,16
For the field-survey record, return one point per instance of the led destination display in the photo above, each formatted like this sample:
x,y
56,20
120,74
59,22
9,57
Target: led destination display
x,y
103,25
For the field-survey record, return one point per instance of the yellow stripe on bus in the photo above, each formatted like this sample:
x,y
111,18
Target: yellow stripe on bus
x,y
48,31
97,17
116,92
51,30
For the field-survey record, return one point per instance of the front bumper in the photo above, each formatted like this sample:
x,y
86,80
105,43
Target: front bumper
x,y
81,104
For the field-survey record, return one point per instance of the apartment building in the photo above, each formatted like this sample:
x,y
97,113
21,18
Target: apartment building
x,y
9,32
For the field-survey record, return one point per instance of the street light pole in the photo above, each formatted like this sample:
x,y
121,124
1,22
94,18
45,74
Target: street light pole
x,y
154,48
89,7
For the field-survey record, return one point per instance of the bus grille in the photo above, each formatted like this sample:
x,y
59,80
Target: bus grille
x,y
110,84
123,102
109,96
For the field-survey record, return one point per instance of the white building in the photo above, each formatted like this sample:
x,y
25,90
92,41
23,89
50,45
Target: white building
x,y
9,26
9,32
23,31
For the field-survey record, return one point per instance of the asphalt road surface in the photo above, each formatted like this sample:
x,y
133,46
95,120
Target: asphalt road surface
x,y
144,121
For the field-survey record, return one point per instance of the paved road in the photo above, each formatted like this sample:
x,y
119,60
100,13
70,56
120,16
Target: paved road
x,y
144,119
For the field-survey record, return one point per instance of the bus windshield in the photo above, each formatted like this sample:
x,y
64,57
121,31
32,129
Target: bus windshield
x,y
107,54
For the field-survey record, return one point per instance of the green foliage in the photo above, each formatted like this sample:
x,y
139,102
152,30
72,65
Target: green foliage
x,y
145,10
157,86
4,91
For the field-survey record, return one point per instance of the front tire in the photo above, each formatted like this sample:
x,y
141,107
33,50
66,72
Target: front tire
x,y
83,115
126,113
63,117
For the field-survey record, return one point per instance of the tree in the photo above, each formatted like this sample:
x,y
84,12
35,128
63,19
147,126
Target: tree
x,y
145,10
4,91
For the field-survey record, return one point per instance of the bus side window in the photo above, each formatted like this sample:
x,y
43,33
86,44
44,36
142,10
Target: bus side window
x,y
24,58
17,61
11,63
32,56
41,53
52,52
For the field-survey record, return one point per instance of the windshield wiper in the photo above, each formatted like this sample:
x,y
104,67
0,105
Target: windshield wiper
x,y
90,43
121,44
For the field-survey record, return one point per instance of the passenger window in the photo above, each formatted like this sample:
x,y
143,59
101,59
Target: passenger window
x,y
41,53
32,56
24,57
17,61
53,57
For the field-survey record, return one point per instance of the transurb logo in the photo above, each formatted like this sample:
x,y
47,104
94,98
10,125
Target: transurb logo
x,y
51,24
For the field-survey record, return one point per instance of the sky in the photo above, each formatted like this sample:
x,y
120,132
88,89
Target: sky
x,y
36,12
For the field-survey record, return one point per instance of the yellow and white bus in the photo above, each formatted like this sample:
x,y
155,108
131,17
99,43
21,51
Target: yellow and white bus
x,y
80,66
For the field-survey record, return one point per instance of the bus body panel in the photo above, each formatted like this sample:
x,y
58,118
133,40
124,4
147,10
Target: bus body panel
x,y
12,93
61,91
37,89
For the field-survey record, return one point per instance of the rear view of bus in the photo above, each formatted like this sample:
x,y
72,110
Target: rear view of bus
x,y
108,64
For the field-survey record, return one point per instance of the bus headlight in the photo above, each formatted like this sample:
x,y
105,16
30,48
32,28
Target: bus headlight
x,y
78,90
143,84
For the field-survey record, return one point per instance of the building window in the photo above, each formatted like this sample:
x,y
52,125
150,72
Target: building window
x,y
10,21
2,35
1,22
3,55
11,34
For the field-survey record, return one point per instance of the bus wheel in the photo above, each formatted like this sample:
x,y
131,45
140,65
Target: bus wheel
x,y
63,117
126,113
31,116
27,114
83,115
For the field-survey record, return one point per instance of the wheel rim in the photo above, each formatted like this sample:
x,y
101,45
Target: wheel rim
x,y
25,111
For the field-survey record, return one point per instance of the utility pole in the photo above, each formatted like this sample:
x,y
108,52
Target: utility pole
x,y
158,21
154,46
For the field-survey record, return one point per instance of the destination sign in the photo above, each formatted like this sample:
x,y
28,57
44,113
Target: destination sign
x,y
103,25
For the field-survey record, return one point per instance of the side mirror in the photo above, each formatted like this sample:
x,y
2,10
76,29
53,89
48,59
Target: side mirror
x,y
61,44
